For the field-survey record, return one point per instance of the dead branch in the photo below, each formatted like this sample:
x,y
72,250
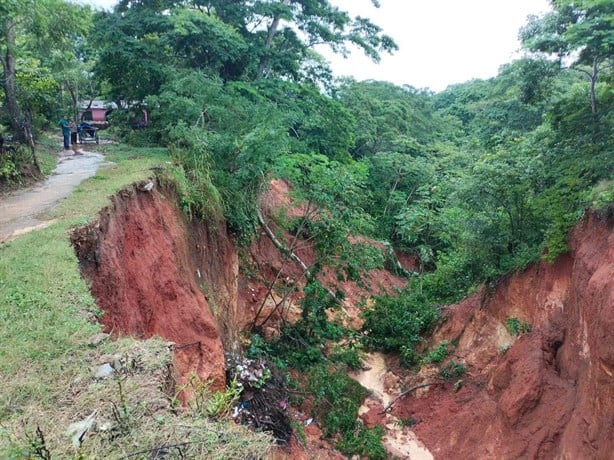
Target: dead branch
x,y
291,254
406,392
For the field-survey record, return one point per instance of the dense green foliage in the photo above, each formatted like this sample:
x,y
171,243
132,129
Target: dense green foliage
x,y
476,181
399,323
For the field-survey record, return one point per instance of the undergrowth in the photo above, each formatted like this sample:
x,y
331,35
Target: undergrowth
x,y
516,326
398,323
16,168
336,397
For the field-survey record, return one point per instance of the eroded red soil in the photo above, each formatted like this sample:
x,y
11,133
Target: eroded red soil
x,y
143,276
545,394
154,273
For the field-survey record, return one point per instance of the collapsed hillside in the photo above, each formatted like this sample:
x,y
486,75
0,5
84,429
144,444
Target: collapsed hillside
x,y
546,393
154,273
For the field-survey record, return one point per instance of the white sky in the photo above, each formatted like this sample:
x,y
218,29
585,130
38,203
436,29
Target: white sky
x,y
441,42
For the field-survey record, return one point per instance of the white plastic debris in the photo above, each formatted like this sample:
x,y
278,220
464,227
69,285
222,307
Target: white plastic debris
x,y
77,430
104,371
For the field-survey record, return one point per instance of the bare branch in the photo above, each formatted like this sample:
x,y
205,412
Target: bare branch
x,y
406,392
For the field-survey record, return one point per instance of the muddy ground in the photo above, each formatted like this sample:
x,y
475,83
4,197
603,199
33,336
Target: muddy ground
x,y
24,210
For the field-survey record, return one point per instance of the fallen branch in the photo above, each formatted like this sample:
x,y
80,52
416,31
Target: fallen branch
x,y
406,392
396,263
291,254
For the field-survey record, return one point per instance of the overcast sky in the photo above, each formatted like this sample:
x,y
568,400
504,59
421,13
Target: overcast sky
x,y
441,42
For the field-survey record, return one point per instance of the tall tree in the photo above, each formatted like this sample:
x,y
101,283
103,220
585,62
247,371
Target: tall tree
x,y
235,40
388,117
580,30
32,28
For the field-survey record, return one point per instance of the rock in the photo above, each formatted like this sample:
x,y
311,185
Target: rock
x,y
391,382
97,339
147,187
104,371
374,416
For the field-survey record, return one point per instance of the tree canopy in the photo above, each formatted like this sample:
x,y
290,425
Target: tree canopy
x,y
474,181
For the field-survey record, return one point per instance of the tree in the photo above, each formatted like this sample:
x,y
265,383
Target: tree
x,y
32,28
581,30
388,117
133,57
238,40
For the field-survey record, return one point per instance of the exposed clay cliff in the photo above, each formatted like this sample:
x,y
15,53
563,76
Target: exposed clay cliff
x,y
548,393
545,394
144,275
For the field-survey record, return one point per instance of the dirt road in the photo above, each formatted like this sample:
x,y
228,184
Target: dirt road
x,y
24,210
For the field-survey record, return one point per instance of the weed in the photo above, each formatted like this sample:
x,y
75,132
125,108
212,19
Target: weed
x,y
365,442
8,168
349,354
516,326
408,422
38,445
408,355
299,430
207,402
438,354
220,403
121,413
452,369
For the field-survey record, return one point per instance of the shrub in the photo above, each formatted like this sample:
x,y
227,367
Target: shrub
x,y
398,323
438,354
516,326
366,442
8,169
452,369
337,398
349,354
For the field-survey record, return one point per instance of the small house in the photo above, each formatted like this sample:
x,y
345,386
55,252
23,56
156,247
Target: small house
x,y
97,113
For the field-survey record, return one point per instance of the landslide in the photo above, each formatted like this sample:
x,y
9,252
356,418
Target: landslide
x,y
153,272
547,393
145,269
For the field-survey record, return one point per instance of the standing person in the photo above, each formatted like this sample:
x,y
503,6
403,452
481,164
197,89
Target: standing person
x,y
73,131
65,125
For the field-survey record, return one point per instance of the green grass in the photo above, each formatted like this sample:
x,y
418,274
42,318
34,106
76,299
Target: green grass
x,y
128,164
47,317
44,302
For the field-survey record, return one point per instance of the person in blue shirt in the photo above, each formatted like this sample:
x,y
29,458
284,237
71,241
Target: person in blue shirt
x,y
65,125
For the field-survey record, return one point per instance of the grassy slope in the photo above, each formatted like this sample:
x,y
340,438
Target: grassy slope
x,y
46,322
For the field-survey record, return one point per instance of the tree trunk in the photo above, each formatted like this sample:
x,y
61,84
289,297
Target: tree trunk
x,y
10,88
264,60
29,139
594,75
74,98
